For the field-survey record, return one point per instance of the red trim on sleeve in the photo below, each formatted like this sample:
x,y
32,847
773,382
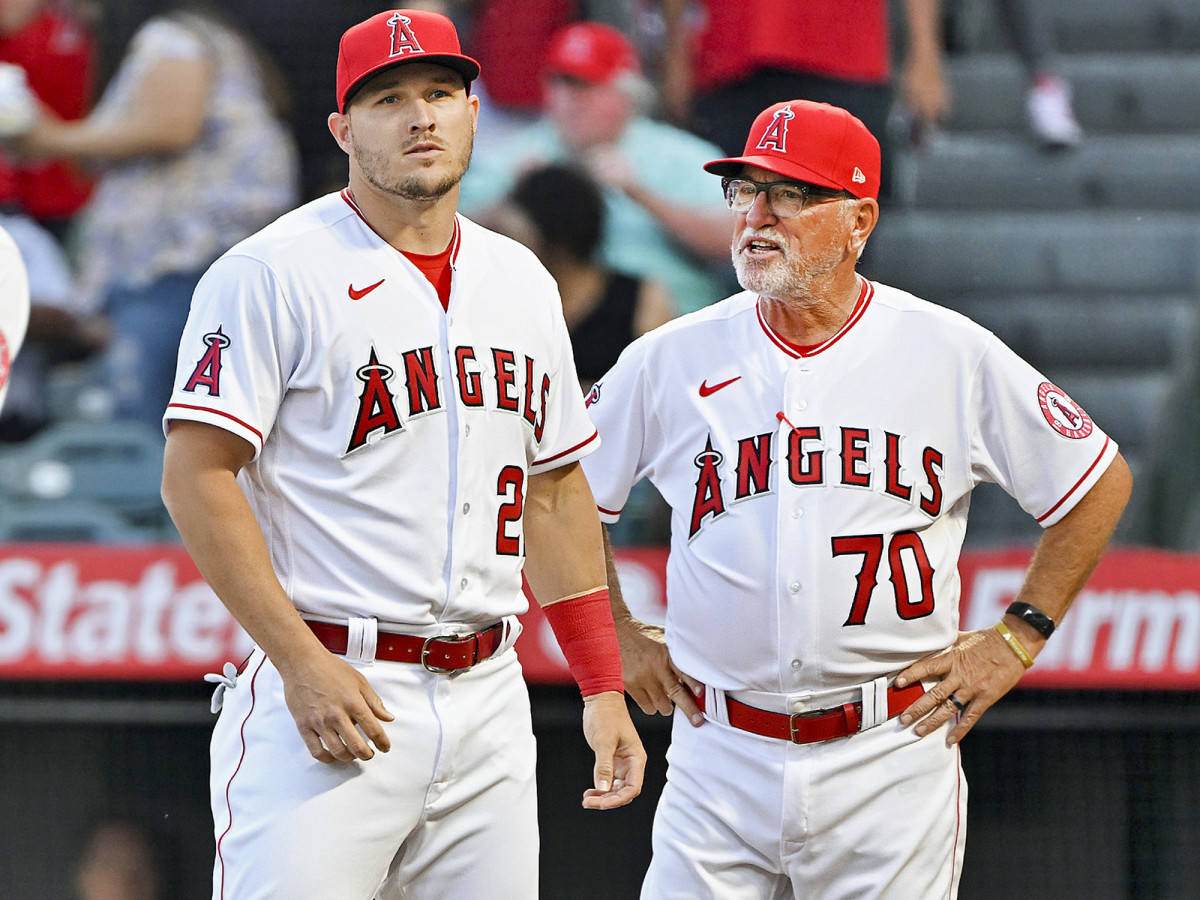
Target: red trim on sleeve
x,y
217,412
1083,478
568,451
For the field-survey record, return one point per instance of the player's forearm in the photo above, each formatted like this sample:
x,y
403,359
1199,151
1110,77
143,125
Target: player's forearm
x,y
1070,550
625,621
223,538
563,545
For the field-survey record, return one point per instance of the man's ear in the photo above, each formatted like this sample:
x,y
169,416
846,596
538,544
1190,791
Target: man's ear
x,y
339,127
866,217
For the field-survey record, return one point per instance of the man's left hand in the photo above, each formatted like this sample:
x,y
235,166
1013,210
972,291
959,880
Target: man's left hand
x,y
977,671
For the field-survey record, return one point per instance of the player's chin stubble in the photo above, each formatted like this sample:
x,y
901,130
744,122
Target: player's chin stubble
x,y
411,187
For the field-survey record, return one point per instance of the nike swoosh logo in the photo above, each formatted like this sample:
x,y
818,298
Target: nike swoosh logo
x,y
358,295
706,391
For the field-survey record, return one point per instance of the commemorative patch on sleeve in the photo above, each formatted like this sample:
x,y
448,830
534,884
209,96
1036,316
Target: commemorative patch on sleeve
x,y
1064,414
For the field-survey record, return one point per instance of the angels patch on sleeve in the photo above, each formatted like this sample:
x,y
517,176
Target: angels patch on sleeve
x,y
1064,414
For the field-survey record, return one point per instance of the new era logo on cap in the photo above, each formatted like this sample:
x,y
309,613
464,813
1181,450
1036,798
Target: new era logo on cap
x,y
392,38
811,142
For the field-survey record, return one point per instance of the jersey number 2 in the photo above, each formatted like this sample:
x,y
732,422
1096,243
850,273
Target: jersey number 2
x,y
511,486
871,548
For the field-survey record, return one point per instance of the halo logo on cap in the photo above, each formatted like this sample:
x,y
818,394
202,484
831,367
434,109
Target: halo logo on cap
x,y
403,40
775,137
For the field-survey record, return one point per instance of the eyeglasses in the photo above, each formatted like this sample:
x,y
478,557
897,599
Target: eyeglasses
x,y
784,198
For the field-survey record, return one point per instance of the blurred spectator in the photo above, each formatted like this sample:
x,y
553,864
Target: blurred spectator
x,y
726,60
509,39
14,307
1048,99
662,219
59,330
55,47
125,857
558,212
194,153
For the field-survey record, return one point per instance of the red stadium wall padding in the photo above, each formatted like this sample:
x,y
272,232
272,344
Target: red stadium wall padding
x,y
94,612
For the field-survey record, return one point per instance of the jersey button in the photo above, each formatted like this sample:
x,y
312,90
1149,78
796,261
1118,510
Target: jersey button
x,y
801,406
794,587
795,663
466,508
797,513
463,584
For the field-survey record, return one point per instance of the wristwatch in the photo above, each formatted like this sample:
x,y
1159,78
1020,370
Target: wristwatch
x,y
1041,622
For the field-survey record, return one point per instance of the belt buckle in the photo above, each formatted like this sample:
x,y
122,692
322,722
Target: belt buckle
x,y
449,639
793,728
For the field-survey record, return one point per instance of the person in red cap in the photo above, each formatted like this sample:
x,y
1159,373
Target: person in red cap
x,y
374,436
660,223
817,438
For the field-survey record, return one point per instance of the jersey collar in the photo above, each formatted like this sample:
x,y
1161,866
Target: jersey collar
x,y
455,239
865,293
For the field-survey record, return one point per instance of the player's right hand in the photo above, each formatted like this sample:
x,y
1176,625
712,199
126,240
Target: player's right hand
x,y
337,712
650,676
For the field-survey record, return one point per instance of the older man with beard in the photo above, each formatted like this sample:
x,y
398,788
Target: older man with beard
x,y
375,431
817,438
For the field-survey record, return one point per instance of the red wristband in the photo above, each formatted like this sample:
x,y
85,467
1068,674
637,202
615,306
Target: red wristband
x,y
584,628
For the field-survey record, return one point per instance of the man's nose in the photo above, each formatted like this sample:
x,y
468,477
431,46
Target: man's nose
x,y
760,212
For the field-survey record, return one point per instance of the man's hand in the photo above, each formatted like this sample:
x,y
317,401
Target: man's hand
x,y
337,712
620,757
651,679
977,670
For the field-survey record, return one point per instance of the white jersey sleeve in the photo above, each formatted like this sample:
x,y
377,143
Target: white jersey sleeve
x,y
223,378
1053,435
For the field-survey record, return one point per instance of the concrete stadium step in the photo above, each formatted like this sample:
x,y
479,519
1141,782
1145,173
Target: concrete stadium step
x,y
1145,93
946,256
985,171
1123,334
1089,25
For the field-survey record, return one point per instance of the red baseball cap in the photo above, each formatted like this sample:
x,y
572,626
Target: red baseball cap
x,y
812,142
394,37
591,52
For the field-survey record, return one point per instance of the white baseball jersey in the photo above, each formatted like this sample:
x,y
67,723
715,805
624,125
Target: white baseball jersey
x,y
819,496
393,440
14,307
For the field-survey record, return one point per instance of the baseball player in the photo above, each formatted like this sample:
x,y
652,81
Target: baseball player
x,y
375,429
817,438
14,307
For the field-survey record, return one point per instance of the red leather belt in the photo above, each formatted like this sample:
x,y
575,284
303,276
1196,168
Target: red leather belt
x,y
808,728
441,653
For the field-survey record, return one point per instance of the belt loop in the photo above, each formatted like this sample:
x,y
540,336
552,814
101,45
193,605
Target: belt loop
x,y
512,631
714,705
874,703
362,639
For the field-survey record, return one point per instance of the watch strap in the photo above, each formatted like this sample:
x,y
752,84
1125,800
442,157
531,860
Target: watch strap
x,y
1040,622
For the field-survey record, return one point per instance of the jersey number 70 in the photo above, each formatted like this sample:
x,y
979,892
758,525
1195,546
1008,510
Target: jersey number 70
x,y
904,544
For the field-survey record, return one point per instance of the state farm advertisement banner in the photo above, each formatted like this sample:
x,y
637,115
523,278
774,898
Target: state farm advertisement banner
x,y
88,611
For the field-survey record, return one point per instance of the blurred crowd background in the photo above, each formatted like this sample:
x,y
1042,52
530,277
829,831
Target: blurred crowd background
x,y
1042,175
